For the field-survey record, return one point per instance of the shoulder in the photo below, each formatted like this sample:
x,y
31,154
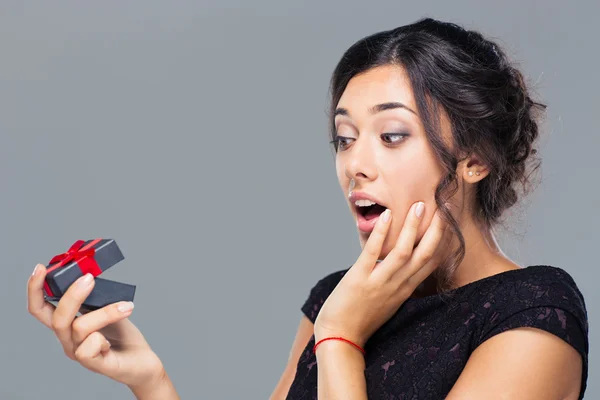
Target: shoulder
x,y
542,297
540,287
319,293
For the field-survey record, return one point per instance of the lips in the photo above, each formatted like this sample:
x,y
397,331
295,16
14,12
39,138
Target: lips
x,y
354,196
366,216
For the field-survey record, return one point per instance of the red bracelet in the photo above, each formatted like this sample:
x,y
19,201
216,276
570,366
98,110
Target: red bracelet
x,y
343,340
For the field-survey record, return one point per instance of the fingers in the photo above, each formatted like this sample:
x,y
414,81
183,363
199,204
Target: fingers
x,y
67,309
36,305
372,249
422,262
403,249
92,350
93,321
422,273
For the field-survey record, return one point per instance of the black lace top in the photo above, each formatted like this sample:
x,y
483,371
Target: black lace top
x,y
420,352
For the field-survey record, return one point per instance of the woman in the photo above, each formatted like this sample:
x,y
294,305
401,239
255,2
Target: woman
x,y
433,129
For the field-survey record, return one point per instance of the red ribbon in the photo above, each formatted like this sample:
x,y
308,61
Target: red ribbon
x,y
83,256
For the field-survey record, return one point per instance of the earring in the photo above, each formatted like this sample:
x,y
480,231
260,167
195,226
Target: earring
x,y
470,173
477,173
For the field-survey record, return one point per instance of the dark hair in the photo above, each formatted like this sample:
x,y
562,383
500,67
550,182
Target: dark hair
x,y
485,98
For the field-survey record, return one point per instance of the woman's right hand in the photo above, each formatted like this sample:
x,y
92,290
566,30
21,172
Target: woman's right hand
x,y
103,340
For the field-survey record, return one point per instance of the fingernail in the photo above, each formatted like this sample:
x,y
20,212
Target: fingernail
x,y
108,343
419,209
386,215
35,269
85,281
126,306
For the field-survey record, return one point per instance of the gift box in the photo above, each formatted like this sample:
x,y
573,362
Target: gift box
x,y
105,292
94,257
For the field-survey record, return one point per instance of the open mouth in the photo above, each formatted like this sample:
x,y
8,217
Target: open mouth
x,y
366,209
369,210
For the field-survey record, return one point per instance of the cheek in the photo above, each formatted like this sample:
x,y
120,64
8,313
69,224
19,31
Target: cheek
x,y
414,179
416,182
394,233
418,187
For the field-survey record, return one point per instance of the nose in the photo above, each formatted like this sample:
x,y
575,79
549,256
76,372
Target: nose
x,y
360,162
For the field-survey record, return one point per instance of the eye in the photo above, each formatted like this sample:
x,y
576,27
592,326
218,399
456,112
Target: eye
x,y
341,142
393,138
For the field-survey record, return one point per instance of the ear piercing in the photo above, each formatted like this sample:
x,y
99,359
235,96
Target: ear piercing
x,y
476,173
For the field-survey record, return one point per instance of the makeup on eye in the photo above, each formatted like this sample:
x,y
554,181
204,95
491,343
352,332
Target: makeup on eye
x,y
341,142
400,135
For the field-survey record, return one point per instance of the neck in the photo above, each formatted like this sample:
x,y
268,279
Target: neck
x,y
483,258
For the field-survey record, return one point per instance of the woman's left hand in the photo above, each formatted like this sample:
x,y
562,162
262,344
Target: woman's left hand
x,y
371,292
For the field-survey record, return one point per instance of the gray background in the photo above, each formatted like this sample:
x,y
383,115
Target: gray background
x,y
194,133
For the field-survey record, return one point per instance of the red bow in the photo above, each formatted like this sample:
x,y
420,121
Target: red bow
x,y
84,259
72,254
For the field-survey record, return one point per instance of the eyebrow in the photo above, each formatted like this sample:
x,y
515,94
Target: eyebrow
x,y
375,109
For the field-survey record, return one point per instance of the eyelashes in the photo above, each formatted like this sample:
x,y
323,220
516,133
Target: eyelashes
x,y
341,143
338,143
401,137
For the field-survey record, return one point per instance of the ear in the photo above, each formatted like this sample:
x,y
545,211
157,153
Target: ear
x,y
472,169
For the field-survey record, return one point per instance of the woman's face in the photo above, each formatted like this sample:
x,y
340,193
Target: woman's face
x,y
384,150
